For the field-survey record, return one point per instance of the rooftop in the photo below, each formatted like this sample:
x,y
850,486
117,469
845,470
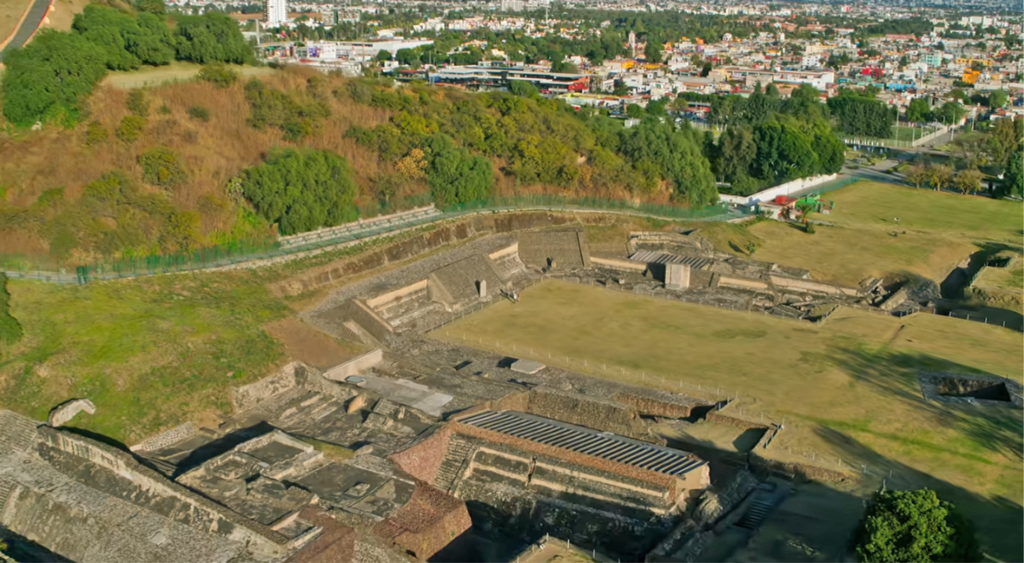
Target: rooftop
x,y
586,441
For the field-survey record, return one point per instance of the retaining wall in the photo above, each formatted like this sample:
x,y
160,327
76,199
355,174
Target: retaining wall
x,y
355,366
614,264
385,298
782,189
369,320
248,396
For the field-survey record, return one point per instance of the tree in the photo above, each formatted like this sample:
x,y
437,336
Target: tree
x,y
50,78
212,37
939,176
383,56
455,176
1005,140
522,88
706,69
737,150
968,181
861,115
951,112
653,51
407,57
918,175
302,190
1013,177
998,99
772,91
918,111
901,526
151,6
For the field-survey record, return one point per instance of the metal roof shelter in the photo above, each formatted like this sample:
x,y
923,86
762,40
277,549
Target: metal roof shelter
x,y
574,438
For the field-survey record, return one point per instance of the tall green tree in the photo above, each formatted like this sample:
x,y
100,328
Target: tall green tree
x,y
902,526
302,190
858,114
1013,178
455,175
653,50
212,38
919,111
51,77
1006,138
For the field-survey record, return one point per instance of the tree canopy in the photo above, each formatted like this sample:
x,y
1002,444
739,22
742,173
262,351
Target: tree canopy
x,y
302,190
902,526
859,114
50,77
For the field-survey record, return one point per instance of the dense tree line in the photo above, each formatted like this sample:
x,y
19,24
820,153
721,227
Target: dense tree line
x,y
862,115
769,140
50,78
540,141
302,190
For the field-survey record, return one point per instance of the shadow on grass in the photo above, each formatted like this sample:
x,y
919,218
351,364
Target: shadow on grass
x,y
997,521
996,429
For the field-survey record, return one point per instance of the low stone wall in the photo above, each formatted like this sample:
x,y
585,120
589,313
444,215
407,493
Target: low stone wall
x,y
713,416
370,321
794,469
739,283
654,407
164,439
614,264
591,412
812,286
248,396
355,366
385,298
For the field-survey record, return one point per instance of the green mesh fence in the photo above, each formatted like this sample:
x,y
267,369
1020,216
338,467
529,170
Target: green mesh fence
x,y
46,269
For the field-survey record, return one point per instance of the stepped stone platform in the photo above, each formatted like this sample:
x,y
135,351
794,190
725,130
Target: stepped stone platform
x,y
568,249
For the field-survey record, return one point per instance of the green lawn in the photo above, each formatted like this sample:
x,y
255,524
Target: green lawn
x,y
846,389
934,232
150,353
905,133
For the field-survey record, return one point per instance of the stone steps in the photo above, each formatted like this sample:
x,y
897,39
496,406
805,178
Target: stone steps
x,y
359,334
458,452
760,509
385,407
17,433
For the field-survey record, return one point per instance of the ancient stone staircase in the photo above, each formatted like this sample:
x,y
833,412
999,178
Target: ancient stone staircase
x,y
17,433
761,506
455,459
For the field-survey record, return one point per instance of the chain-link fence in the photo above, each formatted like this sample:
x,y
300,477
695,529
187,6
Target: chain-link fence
x,y
50,270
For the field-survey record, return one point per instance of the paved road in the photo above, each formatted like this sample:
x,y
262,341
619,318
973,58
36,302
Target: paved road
x,y
32,21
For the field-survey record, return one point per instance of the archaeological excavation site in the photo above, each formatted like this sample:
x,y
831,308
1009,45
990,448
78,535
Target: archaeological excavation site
x,y
422,448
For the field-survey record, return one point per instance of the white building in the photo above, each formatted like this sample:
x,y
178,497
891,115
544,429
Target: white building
x,y
276,12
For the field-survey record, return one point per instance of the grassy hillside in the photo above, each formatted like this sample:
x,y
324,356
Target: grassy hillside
x,y
10,13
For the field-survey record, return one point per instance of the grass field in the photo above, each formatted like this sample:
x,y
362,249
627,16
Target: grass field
x,y
934,232
175,72
150,353
904,133
846,389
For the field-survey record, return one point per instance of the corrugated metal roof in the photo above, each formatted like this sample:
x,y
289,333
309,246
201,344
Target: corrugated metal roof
x,y
586,441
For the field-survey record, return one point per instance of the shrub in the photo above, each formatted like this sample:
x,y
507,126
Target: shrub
x,y
914,526
95,134
219,75
302,190
809,228
137,103
162,167
164,109
130,128
10,328
199,112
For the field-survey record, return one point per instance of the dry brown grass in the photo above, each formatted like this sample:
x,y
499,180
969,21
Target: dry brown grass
x,y
215,151
62,13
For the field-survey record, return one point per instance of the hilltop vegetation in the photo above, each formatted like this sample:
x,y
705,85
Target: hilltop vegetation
x,y
51,78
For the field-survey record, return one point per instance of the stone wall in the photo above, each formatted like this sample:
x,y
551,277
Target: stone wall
x,y
426,523
415,245
812,286
369,320
164,439
423,460
248,396
358,365
591,412
715,417
615,264
566,248
794,469
143,486
651,406
400,293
